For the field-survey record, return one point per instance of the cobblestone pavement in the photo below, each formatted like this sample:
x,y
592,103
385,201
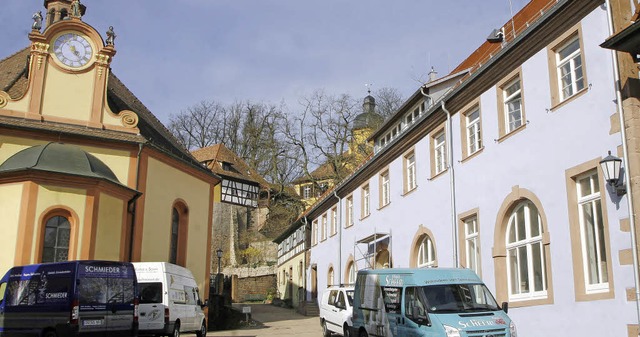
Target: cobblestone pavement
x,y
274,321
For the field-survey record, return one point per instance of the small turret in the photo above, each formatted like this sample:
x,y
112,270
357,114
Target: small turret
x,y
63,9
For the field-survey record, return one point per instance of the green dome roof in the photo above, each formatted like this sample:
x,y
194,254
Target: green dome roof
x,y
59,158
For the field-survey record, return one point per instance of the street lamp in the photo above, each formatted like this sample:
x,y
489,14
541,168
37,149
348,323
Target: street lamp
x,y
218,287
612,169
219,253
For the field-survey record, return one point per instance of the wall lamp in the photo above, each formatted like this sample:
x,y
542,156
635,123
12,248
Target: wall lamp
x,y
613,171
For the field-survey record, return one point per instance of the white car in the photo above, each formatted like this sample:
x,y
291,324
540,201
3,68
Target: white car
x,y
335,310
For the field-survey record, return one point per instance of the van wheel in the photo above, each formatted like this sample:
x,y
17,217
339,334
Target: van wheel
x,y
325,331
49,333
363,333
346,332
176,330
203,330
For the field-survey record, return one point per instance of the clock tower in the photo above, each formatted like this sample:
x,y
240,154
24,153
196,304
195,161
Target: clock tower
x,y
68,72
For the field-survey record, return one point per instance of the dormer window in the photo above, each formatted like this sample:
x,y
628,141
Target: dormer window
x,y
227,166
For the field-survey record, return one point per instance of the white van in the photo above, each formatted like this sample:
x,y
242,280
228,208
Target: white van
x,y
169,300
335,310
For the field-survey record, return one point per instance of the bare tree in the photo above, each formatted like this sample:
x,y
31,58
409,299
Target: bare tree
x,y
197,126
321,133
388,101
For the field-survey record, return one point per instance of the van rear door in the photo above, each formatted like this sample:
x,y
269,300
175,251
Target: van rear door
x,y
106,293
151,307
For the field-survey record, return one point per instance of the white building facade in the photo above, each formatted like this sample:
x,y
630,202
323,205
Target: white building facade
x,y
500,173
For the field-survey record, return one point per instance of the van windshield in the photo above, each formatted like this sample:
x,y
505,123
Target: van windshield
x,y
457,298
150,292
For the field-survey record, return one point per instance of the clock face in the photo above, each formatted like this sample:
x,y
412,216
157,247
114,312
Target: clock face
x,y
72,50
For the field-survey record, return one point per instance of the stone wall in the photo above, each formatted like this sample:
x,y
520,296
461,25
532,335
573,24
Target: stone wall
x,y
231,225
253,288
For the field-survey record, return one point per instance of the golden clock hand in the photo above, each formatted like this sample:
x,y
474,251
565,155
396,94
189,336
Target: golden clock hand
x,y
74,51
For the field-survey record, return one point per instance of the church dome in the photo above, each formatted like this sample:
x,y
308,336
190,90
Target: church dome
x,y
59,158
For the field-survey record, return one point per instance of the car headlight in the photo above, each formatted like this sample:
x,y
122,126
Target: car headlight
x,y
451,331
512,329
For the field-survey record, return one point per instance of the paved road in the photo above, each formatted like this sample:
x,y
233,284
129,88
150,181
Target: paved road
x,y
275,321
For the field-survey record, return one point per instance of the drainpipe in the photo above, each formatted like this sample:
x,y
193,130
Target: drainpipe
x,y
304,259
625,160
132,204
339,224
452,186
452,179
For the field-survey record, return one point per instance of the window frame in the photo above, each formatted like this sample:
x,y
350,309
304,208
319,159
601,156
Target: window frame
x,y
349,216
366,201
581,289
55,247
180,252
528,243
416,243
385,188
426,243
334,221
306,191
503,99
466,125
463,218
564,40
314,232
323,230
438,149
410,172
330,276
499,251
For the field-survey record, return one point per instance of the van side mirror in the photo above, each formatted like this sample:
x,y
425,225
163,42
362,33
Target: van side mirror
x,y
505,307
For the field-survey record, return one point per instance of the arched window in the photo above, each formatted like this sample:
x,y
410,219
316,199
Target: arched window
x,y
57,233
526,262
426,253
351,272
330,277
178,233
63,14
175,226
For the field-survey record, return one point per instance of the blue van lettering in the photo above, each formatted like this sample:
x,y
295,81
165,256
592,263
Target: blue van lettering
x,y
56,295
394,280
474,323
95,269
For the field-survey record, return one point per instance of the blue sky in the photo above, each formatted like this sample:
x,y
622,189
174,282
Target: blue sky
x,y
173,54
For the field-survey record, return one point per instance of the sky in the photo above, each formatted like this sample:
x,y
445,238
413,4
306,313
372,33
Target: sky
x,y
174,54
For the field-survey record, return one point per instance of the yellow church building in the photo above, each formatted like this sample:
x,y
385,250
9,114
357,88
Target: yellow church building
x,y
86,170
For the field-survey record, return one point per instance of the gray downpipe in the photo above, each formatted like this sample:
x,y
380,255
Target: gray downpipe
x,y
339,224
452,186
625,160
304,263
452,180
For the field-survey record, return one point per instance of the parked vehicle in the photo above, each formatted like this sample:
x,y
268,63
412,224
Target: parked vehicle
x,y
426,302
169,300
69,299
335,310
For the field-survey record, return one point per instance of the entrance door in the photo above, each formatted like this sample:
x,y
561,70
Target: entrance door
x,y
314,283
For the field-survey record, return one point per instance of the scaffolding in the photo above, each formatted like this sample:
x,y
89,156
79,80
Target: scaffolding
x,y
366,250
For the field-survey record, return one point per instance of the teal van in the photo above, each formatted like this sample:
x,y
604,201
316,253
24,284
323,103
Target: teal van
x,y
73,298
427,302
